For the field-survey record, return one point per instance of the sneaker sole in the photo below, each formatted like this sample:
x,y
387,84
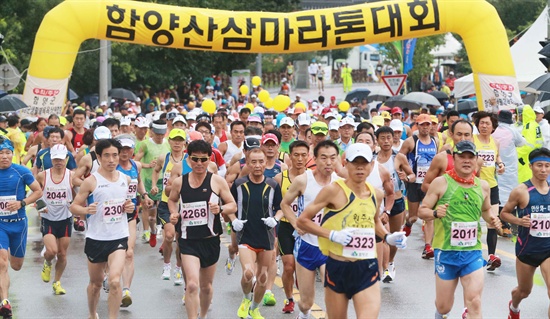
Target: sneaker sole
x,y
126,302
494,266
387,280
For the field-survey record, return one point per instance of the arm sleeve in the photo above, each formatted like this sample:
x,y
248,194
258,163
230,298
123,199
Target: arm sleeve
x,y
277,199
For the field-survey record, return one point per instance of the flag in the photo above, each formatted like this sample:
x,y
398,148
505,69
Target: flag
x,y
398,45
408,54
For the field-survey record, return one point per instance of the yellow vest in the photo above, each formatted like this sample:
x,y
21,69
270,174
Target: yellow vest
x,y
488,152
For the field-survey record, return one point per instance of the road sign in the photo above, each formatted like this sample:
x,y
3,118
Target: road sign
x,y
394,83
9,77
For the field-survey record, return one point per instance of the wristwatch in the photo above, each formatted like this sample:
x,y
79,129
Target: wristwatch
x,y
143,195
221,209
23,204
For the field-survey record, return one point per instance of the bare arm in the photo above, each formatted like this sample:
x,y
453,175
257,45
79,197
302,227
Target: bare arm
x,y
519,197
30,154
296,189
435,192
387,184
437,168
82,170
155,176
173,201
228,201
79,207
140,154
323,199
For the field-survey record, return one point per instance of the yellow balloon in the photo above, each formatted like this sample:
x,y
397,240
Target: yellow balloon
x,y
263,95
300,105
343,106
250,106
209,106
281,103
243,89
269,103
256,81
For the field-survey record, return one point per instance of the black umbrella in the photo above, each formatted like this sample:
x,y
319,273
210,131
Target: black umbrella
x,y
441,96
466,106
542,83
358,94
122,94
10,103
397,100
71,95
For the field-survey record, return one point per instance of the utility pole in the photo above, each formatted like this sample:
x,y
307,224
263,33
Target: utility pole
x,y
104,70
259,64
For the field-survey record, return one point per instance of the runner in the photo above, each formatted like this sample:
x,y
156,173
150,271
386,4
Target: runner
x,y
73,137
348,227
56,223
258,199
532,201
235,144
456,201
420,150
285,233
133,169
301,193
13,221
199,191
106,192
164,164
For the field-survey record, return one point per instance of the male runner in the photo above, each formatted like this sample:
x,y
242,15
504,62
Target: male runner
x,y
235,144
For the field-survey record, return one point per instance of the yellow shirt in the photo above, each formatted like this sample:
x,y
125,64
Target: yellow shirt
x,y
488,152
19,141
358,217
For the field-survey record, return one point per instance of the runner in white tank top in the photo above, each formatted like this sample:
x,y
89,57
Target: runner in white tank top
x,y
57,196
232,149
107,236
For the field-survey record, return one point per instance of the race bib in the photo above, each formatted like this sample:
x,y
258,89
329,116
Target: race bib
x,y
55,196
362,245
318,217
4,205
463,234
421,173
113,210
194,214
294,206
132,189
488,156
165,179
540,225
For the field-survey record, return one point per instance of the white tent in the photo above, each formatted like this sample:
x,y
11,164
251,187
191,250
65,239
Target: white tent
x,y
524,55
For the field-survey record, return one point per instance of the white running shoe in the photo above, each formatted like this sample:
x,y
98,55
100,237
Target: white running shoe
x,y
178,277
230,265
166,272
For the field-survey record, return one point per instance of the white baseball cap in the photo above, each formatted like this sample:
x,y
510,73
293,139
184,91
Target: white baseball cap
x,y
103,103
101,133
396,125
126,140
358,150
347,121
329,115
58,151
304,119
125,121
287,121
142,122
333,125
179,118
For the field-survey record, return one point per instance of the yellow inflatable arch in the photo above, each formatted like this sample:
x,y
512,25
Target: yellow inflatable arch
x,y
67,25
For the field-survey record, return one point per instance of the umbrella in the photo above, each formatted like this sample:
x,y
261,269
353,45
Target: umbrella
x,y
450,63
122,94
71,95
542,83
439,95
379,95
398,101
358,94
421,98
10,103
466,106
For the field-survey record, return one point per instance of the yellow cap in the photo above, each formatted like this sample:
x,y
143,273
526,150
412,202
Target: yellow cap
x,y
177,132
62,120
434,119
386,115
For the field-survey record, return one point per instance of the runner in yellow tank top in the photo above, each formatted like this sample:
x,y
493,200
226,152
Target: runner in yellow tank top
x,y
488,150
347,234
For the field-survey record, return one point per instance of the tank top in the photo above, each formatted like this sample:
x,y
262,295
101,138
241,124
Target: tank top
x,y
185,168
166,172
223,138
460,229
134,174
534,239
57,196
95,163
356,216
312,190
398,184
488,152
77,140
285,185
197,222
276,169
110,222
154,150
232,149
421,158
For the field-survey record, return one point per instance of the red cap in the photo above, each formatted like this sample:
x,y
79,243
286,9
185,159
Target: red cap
x,y
333,97
396,110
325,110
270,137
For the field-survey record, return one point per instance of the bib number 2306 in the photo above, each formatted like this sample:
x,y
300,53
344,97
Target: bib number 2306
x,y
113,210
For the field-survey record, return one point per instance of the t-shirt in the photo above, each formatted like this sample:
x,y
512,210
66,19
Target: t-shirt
x,y
13,181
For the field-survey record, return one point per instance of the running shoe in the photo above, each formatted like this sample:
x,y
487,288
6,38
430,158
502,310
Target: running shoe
x,y
428,252
407,229
465,313
243,308
386,278
106,284
46,272
278,262
230,265
289,306
161,251
269,299
493,263
317,276
43,252
506,232
5,310
57,289
153,240
166,272
391,268
255,313
146,236
512,314
79,225
126,298
178,277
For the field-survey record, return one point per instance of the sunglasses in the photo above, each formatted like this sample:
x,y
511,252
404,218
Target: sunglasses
x,y
197,159
319,130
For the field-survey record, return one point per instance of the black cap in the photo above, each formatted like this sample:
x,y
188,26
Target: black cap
x,y
3,118
171,115
25,122
465,146
251,143
505,116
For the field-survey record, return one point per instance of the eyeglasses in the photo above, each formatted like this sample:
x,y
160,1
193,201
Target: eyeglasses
x,y
197,159
316,130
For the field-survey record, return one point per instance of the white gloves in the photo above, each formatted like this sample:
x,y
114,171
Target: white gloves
x,y
238,224
397,239
270,222
342,237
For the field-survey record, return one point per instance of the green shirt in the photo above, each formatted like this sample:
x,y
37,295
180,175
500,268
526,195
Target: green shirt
x,y
285,146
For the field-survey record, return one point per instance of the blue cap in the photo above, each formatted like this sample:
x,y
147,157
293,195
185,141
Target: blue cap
x,y
6,144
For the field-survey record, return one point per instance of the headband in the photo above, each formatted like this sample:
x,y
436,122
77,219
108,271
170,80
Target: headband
x,y
160,126
540,159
